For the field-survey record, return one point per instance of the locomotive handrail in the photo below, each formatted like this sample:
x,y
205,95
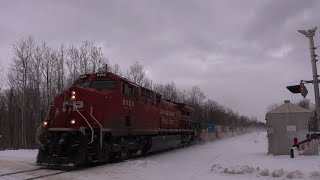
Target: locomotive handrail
x,y
37,134
101,140
92,132
38,129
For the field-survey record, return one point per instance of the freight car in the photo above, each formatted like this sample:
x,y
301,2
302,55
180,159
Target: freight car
x,y
104,117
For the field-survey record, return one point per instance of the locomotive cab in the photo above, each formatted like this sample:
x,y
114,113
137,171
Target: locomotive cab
x,y
74,128
74,107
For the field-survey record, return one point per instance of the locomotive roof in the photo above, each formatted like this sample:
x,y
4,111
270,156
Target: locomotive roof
x,y
90,77
101,75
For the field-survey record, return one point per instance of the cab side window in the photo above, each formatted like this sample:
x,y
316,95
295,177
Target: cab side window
x,y
143,92
128,89
149,94
158,97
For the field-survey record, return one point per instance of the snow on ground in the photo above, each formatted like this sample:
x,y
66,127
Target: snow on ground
x,y
17,160
241,157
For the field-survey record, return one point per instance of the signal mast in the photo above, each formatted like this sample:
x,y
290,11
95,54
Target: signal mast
x,y
301,88
315,123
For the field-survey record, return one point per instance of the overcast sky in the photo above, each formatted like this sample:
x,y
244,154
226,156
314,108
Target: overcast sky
x,y
241,53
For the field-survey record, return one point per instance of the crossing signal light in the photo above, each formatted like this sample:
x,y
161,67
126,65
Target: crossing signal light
x,y
303,90
298,89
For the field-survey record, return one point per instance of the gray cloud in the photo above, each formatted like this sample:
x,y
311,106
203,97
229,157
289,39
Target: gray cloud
x,y
242,53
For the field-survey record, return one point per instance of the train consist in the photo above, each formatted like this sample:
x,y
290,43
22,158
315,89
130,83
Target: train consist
x,y
104,117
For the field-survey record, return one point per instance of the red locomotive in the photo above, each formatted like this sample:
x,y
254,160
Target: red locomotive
x,y
104,117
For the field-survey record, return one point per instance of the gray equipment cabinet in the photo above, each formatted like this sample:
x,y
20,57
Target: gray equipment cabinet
x,y
284,124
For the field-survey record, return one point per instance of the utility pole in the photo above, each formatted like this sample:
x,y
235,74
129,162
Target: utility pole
x,y
310,34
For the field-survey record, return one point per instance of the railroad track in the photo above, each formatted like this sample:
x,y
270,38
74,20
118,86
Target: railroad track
x,y
36,175
52,172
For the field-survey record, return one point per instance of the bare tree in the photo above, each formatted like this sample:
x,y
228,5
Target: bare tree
x,y
84,57
23,56
116,69
61,58
304,103
97,58
215,112
148,83
48,72
136,73
273,106
1,76
196,96
72,63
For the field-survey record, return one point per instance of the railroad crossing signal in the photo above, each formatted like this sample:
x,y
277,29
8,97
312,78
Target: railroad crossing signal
x,y
298,89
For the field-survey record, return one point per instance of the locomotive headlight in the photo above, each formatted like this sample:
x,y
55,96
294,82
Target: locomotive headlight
x,y
73,121
73,95
45,123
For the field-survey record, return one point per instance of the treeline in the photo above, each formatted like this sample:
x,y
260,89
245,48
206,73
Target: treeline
x,y
39,72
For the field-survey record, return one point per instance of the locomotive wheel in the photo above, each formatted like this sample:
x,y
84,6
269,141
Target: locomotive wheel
x,y
80,156
106,152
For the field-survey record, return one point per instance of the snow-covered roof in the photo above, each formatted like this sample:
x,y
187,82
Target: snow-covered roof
x,y
288,107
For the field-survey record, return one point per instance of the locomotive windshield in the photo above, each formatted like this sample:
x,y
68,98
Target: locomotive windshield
x,y
104,84
83,84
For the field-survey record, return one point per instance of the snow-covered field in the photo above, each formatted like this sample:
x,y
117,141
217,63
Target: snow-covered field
x,y
240,157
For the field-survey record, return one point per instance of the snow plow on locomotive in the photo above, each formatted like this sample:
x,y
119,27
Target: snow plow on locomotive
x,y
104,117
